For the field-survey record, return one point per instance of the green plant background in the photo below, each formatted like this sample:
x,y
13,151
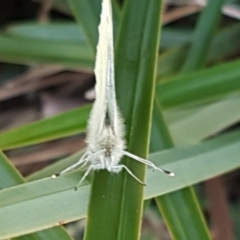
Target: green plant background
x,y
176,87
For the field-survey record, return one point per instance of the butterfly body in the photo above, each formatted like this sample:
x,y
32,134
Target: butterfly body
x,y
111,146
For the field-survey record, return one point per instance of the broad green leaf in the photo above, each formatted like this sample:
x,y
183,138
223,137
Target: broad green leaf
x,y
9,177
190,164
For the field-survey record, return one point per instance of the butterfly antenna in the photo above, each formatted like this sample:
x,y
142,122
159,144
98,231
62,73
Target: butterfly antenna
x,y
171,174
56,175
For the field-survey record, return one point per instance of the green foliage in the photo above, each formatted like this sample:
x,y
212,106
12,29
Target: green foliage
x,y
189,108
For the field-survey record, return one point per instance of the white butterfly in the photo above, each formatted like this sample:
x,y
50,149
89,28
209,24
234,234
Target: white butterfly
x,y
105,135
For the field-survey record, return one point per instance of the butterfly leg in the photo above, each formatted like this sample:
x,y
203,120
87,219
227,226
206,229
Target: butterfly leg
x,y
87,160
118,168
91,167
142,160
70,168
83,160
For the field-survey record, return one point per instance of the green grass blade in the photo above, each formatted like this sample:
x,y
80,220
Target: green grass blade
x,y
65,32
227,39
9,177
159,126
70,36
200,86
189,163
177,207
54,233
87,14
186,125
29,50
121,206
55,167
203,35
65,124
58,43
182,215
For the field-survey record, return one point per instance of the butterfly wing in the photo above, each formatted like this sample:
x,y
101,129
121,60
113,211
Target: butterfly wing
x,y
105,110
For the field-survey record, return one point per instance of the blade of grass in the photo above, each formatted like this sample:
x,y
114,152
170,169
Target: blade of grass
x,y
227,39
205,85
121,207
65,124
200,86
29,50
55,167
70,37
159,126
186,125
177,207
87,14
202,36
19,214
65,32
9,177
187,122
181,92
